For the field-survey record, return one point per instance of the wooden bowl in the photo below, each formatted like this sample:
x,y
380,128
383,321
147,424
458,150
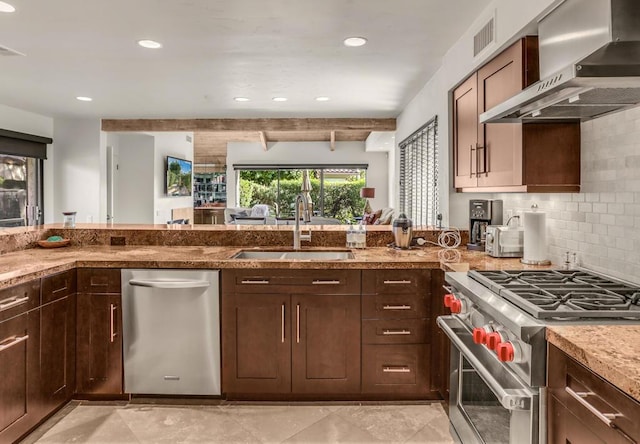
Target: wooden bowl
x,y
54,244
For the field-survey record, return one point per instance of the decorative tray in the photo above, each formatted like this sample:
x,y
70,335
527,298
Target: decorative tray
x,y
54,244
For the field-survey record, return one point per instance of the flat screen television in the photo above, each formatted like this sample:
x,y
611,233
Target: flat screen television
x,y
179,177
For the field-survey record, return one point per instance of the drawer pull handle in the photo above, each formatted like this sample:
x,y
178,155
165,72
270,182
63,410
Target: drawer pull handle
x,y
282,322
607,418
298,323
14,302
112,323
251,281
320,282
13,342
397,282
397,307
396,370
396,332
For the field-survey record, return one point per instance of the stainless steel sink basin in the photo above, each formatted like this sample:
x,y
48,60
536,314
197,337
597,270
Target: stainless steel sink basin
x,y
288,255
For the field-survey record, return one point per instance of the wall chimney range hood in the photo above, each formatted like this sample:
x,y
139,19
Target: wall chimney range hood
x,y
589,64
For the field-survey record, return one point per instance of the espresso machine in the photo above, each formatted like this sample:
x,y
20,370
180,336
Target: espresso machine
x,y
482,213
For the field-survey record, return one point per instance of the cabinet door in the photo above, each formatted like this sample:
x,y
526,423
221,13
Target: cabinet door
x,y
465,133
326,344
57,352
256,344
99,342
500,157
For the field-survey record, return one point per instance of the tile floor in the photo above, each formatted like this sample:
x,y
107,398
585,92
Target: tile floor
x,y
85,422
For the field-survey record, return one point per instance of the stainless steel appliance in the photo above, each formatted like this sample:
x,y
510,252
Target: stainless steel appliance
x,y
589,64
503,241
482,213
497,332
402,231
171,332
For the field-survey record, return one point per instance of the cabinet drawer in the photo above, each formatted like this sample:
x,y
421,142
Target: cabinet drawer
x,y
395,369
99,280
19,299
396,281
585,394
13,368
292,281
58,286
402,306
409,331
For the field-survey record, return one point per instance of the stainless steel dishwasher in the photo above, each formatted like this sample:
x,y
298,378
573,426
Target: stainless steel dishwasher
x,y
171,331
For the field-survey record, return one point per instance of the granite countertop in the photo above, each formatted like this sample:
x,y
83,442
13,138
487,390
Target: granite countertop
x,y
611,351
28,264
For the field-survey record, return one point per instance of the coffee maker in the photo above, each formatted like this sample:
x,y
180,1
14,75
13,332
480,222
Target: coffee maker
x,y
482,213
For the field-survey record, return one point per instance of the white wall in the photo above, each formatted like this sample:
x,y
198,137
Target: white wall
x,y
176,145
312,153
15,119
134,179
602,222
77,167
513,19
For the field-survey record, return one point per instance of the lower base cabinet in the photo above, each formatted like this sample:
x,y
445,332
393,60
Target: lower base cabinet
x,y
396,369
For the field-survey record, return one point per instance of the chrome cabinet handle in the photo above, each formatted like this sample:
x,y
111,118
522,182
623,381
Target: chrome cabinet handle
x,y
397,282
14,302
397,307
607,418
112,322
16,340
395,332
321,282
298,323
282,322
396,370
471,150
250,281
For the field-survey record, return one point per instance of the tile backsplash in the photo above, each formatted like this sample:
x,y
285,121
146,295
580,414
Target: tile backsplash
x,y
602,222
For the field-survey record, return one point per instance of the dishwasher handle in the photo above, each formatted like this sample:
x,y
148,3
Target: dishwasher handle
x,y
162,283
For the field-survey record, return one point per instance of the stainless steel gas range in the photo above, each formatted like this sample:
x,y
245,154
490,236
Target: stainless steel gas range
x,y
499,350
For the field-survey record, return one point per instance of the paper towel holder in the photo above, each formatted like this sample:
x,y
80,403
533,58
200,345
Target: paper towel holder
x,y
528,261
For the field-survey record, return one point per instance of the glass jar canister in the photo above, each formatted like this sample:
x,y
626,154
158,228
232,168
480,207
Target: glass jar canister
x,y
69,219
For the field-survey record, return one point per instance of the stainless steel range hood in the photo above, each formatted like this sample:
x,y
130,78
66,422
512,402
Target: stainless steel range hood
x,y
589,64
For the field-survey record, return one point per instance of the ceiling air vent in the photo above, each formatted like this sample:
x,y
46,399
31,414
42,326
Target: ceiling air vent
x,y
4,51
484,37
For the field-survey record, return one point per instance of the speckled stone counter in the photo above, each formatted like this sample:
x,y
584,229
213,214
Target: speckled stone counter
x,y
611,351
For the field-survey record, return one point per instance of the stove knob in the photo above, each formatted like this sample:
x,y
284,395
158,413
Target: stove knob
x,y
479,335
456,306
493,340
448,300
505,352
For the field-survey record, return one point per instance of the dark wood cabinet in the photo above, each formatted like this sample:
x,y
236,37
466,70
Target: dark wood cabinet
x,y
326,344
396,334
535,157
584,408
19,359
57,340
291,332
99,371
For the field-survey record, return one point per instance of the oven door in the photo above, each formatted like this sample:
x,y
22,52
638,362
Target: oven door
x,y
488,402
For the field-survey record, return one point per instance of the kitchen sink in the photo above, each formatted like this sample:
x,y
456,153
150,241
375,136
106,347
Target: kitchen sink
x,y
286,255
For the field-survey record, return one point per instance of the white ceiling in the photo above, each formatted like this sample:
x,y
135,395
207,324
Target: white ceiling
x,y
215,50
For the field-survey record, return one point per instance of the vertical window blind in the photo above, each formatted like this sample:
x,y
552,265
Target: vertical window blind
x,y
419,174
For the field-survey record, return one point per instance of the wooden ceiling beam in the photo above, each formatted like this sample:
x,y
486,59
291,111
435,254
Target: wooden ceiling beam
x,y
263,140
280,124
333,141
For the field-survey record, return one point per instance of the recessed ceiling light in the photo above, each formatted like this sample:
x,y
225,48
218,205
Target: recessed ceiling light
x,y
279,99
241,99
355,41
150,44
84,98
322,99
6,7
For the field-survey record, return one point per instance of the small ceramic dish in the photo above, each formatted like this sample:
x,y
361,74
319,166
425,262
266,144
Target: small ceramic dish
x,y
54,244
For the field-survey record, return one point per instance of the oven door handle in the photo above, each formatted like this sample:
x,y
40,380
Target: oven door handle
x,y
510,399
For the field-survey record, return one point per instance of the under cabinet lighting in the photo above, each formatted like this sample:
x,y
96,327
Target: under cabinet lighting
x,y
6,7
150,44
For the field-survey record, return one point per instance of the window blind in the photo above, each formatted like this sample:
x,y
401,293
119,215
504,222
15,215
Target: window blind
x,y
419,174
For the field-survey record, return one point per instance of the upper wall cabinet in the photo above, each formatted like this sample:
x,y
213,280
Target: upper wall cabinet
x,y
510,157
